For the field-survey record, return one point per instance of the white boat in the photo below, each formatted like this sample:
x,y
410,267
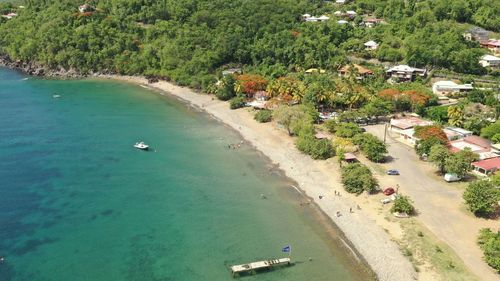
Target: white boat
x,y
141,145
56,96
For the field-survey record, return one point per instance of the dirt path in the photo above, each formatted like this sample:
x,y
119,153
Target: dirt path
x,y
439,204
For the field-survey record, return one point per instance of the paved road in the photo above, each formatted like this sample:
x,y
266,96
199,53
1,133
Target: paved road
x,y
438,204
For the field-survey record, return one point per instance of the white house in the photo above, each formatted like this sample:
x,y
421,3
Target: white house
x,y
371,22
489,61
371,45
340,2
351,13
337,13
450,87
404,127
405,72
455,133
342,22
309,18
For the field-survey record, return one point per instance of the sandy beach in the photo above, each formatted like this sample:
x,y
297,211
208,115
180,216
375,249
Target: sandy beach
x,y
315,177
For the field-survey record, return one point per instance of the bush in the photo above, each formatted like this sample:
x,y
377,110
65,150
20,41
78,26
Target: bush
x,y
237,102
263,116
402,204
347,130
489,242
331,126
481,197
373,148
226,89
358,178
318,149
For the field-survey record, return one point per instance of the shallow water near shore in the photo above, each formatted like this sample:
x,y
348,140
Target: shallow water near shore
x,y
78,202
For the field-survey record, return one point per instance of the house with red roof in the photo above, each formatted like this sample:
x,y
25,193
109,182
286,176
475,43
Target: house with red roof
x,y
479,145
360,71
487,166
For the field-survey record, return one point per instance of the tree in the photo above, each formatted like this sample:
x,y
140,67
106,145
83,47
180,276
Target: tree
x,y
402,204
263,116
437,113
358,178
460,162
426,132
251,83
456,115
438,155
374,149
318,149
481,197
226,89
286,116
378,107
287,89
489,242
491,130
339,151
347,130
429,136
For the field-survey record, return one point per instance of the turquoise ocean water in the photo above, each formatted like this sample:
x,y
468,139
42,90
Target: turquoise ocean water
x,y
78,202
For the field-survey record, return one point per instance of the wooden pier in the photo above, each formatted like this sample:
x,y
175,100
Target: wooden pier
x,y
258,265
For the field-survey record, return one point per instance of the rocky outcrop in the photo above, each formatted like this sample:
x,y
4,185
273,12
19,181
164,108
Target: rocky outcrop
x,y
37,69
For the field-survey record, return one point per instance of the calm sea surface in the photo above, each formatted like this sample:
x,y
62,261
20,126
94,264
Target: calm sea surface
x,y
78,202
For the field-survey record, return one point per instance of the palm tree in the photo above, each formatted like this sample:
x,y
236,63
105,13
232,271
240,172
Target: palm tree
x,y
456,115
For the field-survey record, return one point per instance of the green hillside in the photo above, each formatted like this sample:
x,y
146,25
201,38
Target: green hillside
x,y
189,40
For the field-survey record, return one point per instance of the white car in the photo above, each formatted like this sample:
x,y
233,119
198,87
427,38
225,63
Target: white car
x,y
451,177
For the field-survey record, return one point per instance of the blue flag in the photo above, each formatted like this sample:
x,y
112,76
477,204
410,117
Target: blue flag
x,y
286,249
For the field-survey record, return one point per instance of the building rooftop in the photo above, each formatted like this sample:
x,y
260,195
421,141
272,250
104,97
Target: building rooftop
x,y
488,164
409,122
405,68
361,70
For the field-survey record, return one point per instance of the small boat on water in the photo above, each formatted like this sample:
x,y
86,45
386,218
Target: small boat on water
x,y
141,145
56,96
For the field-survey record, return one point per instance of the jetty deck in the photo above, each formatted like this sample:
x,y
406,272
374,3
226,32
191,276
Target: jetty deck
x,y
259,265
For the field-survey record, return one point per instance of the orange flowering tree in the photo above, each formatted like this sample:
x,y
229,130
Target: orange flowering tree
x,y
426,132
389,94
429,136
406,100
249,84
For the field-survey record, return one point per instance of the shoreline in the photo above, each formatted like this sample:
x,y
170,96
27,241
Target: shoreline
x,y
363,237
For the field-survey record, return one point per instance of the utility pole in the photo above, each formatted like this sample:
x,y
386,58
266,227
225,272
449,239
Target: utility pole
x,y
385,132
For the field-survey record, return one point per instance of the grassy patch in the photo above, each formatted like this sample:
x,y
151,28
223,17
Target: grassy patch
x,y
421,246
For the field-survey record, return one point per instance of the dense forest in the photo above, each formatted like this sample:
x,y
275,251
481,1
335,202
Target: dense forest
x,y
189,41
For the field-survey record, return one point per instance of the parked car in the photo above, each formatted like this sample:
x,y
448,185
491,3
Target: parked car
x,y
393,172
386,200
451,177
388,191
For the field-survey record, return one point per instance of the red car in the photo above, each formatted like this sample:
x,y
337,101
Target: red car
x,y
389,191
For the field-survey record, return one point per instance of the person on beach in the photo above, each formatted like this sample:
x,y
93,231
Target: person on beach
x,y
350,210
338,214
320,197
